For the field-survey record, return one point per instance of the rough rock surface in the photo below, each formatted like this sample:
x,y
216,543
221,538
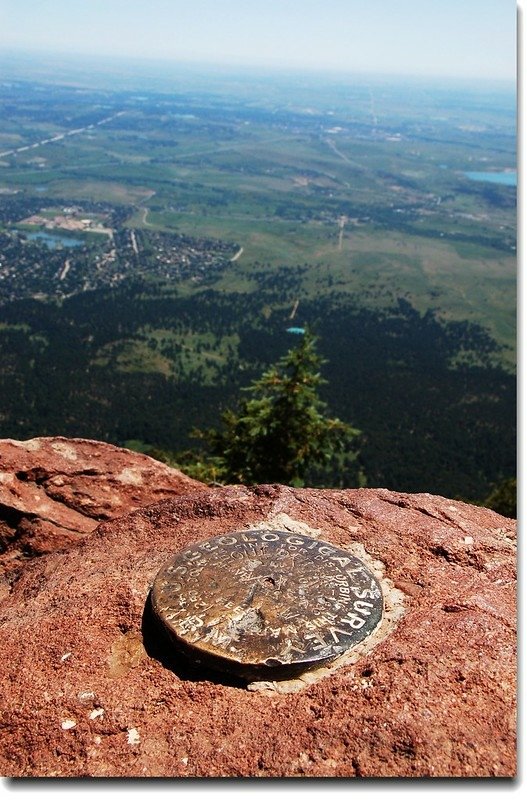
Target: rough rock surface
x,y
90,690
53,491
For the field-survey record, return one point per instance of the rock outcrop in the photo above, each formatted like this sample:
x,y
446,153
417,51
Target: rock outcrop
x,y
90,689
54,491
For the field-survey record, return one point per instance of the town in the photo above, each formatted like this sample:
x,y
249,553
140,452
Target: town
x,y
57,252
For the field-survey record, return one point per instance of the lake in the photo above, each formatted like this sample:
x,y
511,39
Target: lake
x,y
54,240
504,178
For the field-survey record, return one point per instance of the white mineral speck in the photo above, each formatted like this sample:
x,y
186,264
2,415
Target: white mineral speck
x,y
468,540
67,724
32,444
131,476
184,760
65,656
85,696
97,712
64,449
133,736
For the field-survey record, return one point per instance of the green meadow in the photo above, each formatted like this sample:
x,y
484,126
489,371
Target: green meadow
x,y
362,225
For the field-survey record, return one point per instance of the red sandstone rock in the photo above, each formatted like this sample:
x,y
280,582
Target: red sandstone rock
x,y
53,491
89,689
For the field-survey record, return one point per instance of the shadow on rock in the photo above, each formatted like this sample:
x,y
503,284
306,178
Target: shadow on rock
x,y
160,646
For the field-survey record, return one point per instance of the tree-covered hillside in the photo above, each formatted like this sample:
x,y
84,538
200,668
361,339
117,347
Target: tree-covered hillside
x,y
137,363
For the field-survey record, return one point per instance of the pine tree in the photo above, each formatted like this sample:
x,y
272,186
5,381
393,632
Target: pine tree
x,y
280,431
503,498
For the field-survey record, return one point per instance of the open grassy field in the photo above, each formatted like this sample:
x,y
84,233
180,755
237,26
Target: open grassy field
x,y
363,183
235,202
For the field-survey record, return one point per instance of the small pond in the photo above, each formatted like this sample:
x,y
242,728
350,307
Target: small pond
x,y
54,240
509,178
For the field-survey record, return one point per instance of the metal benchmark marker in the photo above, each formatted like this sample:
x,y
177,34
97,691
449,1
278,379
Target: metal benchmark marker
x,y
265,603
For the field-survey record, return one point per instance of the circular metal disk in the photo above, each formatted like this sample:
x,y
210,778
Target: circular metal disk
x,y
265,603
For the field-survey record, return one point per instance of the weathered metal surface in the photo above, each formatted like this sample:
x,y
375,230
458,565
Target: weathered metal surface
x,y
266,603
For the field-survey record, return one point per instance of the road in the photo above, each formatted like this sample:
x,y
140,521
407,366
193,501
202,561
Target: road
x,y
342,222
59,136
134,243
65,269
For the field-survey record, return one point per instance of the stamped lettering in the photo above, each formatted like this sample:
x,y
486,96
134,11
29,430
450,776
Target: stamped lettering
x,y
266,602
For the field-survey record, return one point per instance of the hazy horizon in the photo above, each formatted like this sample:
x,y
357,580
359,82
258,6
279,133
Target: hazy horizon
x,y
148,66
472,40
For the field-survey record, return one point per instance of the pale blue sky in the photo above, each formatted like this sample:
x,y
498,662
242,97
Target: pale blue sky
x,y
459,38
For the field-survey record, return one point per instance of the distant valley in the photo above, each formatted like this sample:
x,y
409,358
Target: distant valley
x,y
158,235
